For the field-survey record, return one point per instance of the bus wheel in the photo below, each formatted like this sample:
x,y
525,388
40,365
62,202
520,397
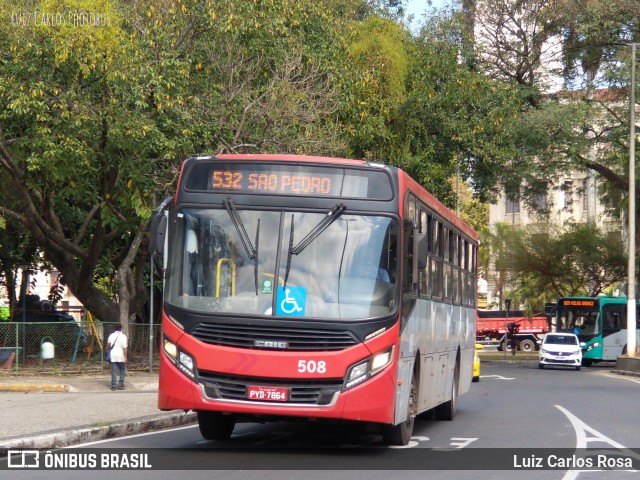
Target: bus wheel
x,y
215,425
447,410
527,345
401,434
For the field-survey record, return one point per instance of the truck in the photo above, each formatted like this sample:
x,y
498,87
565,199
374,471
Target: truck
x,y
491,328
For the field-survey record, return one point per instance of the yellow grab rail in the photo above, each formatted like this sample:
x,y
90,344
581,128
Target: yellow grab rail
x,y
233,275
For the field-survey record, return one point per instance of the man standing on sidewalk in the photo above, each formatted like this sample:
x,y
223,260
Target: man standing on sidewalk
x,y
117,342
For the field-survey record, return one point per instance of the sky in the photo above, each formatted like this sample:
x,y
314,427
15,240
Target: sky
x,y
418,7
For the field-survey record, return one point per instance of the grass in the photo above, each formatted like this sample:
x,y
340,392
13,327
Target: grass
x,y
496,356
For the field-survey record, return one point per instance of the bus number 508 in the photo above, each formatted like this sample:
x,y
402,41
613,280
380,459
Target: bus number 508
x,y
311,366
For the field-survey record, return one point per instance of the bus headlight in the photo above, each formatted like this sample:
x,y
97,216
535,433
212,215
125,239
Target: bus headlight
x,y
170,349
179,358
186,364
363,370
592,346
380,361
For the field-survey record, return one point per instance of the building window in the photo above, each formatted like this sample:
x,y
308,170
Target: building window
x,y
540,202
512,205
567,196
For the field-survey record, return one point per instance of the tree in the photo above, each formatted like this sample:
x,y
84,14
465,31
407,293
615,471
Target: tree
x,y
551,262
82,132
95,118
374,86
540,47
454,118
514,41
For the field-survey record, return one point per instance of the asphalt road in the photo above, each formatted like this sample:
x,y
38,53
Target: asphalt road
x,y
514,406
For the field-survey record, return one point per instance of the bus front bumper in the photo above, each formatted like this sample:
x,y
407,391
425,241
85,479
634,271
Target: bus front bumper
x,y
371,401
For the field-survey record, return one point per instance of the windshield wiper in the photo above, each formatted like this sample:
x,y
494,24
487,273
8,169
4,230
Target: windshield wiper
x,y
325,223
289,253
252,252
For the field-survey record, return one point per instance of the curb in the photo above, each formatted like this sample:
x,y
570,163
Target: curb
x,y
27,387
74,436
627,373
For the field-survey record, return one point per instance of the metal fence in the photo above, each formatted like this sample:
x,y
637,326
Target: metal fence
x,y
71,347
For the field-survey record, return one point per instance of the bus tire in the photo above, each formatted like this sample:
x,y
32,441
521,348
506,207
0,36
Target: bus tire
x,y
215,425
527,345
447,410
401,434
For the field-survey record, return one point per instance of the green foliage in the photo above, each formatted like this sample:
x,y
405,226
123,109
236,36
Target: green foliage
x,y
453,115
413,104
374,85
95,119
553,262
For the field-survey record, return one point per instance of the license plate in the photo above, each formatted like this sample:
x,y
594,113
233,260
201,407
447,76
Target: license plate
x,y
268,394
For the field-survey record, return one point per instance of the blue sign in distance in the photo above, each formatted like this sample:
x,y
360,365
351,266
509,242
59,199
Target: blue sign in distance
x,y
291,301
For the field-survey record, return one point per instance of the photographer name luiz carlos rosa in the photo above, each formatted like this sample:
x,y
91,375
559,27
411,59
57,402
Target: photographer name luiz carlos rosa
x,y
590,461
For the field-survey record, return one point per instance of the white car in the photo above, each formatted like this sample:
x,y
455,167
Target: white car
x,y
561,349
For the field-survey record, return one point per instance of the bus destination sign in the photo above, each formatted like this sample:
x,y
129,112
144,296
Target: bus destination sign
x,y
273,182
282,179
578,303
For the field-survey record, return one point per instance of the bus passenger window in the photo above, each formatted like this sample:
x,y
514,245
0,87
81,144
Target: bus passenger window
x,y
611,321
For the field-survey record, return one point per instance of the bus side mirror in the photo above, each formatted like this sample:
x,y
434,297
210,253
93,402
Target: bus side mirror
x,y
158,233
158,230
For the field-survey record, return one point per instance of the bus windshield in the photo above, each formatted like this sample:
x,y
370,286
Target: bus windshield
x,y
283,263
584,322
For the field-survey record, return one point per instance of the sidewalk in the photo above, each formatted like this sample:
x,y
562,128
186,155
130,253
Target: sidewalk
x,y
54,411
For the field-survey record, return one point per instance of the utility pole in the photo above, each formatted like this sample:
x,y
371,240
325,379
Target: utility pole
x,y
631,290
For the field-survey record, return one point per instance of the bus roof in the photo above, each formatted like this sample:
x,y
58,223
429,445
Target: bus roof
x,y
287,158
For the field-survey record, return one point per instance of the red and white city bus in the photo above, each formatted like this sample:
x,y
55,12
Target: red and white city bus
x,y
312,287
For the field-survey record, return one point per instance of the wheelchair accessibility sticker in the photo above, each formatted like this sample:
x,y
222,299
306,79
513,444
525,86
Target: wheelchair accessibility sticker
x,y
291,301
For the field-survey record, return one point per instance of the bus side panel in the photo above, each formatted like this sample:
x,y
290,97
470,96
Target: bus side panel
x,y
467,347
613,344
438,331
442,326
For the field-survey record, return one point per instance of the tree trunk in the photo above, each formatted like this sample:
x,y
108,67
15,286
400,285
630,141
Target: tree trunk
x,y
126,283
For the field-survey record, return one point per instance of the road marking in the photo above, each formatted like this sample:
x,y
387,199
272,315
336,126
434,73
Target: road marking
x,y
414,442
462,442
457,443
499,377
582,441
623,377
